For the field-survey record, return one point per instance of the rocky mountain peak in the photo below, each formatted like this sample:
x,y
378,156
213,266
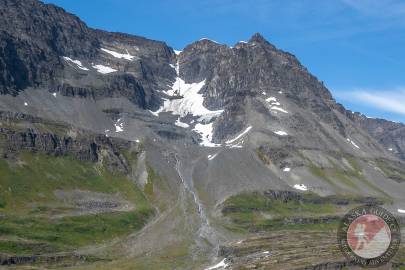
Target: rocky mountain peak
x,y
257,37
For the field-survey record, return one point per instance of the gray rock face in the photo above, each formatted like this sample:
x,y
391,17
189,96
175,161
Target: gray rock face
x,y
35,38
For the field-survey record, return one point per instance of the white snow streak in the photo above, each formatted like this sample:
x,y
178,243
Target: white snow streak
x,y
281,133
239,136
401,211
219,265
301,187
126,56
286,169
104,69
211,157
275,108
353,143
390,149
76,62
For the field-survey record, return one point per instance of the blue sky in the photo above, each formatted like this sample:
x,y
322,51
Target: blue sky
x,y
355,46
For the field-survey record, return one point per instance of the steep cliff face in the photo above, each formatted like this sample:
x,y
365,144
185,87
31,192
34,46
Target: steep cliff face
x,y
43,46
20,132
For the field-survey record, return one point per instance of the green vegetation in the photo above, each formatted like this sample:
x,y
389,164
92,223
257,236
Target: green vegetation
x,y
391,171
34,178
257,212
346,177
70,232
28,205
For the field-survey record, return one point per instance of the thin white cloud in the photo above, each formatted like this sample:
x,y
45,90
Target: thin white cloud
x,y
386,100
379,8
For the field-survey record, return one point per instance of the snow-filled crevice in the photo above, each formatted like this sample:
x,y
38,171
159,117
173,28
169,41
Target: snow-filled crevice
x,y
184,99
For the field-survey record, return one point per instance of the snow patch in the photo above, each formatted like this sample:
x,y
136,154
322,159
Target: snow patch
x,y
274,104
119,126
301,187
401,211
76,62
126,56
104,69
353,143
271,99
280,92
25,104
177,52
239,136
390,149
281,133
181,124
54,94
172,66
286,169
264,93
222,264
206,132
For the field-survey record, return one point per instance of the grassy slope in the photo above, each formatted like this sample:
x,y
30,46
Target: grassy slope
x,y
26,192
257,212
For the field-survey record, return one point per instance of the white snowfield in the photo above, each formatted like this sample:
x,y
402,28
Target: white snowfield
x,y
188,101
104,69
206,132
76,62
221,264
281,133
239,136
353,143
126,56
177,52
301,187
